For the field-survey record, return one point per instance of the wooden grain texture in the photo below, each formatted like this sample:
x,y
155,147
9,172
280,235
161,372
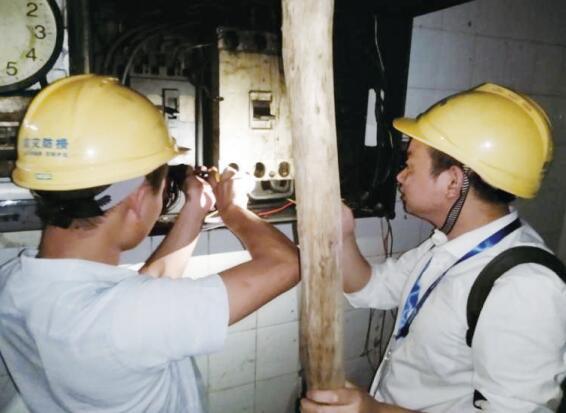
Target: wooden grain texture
x,y
307,59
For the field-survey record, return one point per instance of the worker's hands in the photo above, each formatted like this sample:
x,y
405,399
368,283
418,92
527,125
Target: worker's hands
x,y
230,189
350,399
348,222
198,192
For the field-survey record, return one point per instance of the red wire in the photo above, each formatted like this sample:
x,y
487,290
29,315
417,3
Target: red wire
x,y
275,210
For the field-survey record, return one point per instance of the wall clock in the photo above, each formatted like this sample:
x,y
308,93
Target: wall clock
x,y
31,40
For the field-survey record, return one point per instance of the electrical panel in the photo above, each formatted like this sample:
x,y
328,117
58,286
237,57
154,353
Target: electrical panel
x,y
17,207
214,68
176,99
252,130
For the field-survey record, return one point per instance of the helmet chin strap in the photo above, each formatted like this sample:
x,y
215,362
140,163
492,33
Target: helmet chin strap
x,y
456,208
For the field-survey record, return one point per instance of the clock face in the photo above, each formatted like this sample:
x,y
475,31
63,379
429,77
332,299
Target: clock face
x,y
32,36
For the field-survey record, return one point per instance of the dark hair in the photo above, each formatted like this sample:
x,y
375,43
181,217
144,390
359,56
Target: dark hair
x,y
484,191
61,208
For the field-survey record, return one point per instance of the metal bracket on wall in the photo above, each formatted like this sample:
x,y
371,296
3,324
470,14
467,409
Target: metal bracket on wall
x,y
18,215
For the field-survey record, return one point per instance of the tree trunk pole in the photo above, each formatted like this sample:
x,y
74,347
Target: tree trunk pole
x,y
307,58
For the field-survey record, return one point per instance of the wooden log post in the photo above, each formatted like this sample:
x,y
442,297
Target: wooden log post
x,y
307,59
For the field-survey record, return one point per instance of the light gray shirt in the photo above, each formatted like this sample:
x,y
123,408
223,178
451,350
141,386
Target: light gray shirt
x,y
81,336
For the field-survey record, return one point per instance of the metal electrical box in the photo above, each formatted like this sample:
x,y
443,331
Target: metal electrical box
x,y
176,99
251,128
17,207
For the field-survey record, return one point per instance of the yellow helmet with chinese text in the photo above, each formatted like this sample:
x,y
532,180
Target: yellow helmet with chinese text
x,y
86,131
503,136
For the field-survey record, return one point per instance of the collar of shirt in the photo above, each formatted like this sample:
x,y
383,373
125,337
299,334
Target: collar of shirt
x,y
459,246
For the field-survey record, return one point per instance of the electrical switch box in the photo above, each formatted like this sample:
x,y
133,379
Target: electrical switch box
x,y
176,99
17,207
251,128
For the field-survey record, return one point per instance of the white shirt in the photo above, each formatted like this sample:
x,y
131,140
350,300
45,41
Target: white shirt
x,y
517,359
80,336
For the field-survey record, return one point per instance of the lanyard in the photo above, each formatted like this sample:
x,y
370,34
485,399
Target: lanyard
x,y
485,244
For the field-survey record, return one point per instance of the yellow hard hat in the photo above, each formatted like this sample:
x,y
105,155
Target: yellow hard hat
x,y
86,131
501,135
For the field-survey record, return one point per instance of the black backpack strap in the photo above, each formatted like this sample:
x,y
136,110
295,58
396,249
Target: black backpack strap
x,y
497,267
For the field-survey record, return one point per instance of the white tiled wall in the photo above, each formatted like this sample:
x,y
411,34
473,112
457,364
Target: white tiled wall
x,y
240,399
277,350
234,367
283,309
278,394
517,43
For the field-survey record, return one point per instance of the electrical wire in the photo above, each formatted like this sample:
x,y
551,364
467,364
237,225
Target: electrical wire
x,y
154,34
276,210
374,350
377,48
106,66
384,168
387,236
214,218
187,46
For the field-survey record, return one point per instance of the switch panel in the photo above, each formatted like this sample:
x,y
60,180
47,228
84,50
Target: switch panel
x,y
253,130
176,99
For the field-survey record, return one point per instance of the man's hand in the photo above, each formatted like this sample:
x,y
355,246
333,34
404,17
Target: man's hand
x,y
350,399
231,189
171,257
198,192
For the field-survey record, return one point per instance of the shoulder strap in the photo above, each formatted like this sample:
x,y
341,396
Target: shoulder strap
x,y
497,267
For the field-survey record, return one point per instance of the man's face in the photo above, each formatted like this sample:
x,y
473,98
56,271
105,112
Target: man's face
x,y
156,200
421,192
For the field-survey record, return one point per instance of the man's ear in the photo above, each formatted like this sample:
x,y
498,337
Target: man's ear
x,y
135,200
455,178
